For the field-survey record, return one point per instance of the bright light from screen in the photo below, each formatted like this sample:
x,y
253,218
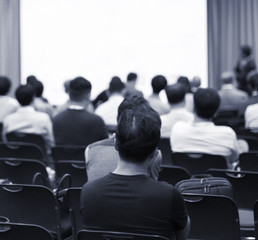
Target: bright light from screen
x,y
97,39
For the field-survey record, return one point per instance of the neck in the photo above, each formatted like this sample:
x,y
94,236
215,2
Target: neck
x,y
177,105
84,103
199,119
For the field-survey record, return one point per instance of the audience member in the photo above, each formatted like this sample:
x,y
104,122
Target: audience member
x,y
158,83
201,135
108,110
102,157
101,98
189,95
8,104
176,98
76,125
130,86
27,120
231,98
128,197
245,64
40,104
195,83
252,79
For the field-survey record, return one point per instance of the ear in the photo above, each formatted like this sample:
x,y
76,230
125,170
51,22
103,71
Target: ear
x,y
115,141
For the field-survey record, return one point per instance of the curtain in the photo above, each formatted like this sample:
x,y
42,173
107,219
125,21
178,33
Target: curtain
x,y
231,23
10,41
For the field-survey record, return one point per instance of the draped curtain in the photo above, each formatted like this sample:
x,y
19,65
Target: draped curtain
x,y
231,23
10,41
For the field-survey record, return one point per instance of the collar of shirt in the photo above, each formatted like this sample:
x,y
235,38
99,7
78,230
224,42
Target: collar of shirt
x,y
26,109
227,87
203,124
76,107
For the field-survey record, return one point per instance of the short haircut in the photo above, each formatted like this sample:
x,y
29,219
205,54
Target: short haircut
x,y
206,102
137,134
131,77
158,83
252,79
31,79
185,82
132,102
38,87
5,85
246,50
227,77
78,88
116,85
175,93
24,94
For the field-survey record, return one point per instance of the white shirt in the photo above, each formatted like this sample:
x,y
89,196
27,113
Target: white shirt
x,y
251,116
205,137
174,116
8,105
28,120
108,110
158,105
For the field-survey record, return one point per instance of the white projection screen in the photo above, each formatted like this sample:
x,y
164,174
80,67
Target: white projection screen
x,y
98,39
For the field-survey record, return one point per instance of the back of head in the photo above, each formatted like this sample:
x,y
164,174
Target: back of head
x,y
116,85
206,102
30,79
24,94
175,93
227,77
185,82
5,85
158,83
37,86
196,82
246,50
79,88
252,79
131,77
137,134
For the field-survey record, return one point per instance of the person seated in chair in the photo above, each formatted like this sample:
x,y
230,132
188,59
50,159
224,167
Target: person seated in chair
x,y
27,120
201,135
128,200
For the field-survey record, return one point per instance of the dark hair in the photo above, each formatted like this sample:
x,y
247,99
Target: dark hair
x,y
116,85
131,77
31,79
132,102
246,50
5,85
137,134
78,87
206,102
175,93
252,79
24,94
185,82
37,86
158,83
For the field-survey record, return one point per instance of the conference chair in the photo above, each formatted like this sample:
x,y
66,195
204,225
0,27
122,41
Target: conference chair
x,y
21,150
109,235
30,204
197,163
18,231
249,161
212,217
172,174
27,138
68,152
76,170
23,171
256,218
165,148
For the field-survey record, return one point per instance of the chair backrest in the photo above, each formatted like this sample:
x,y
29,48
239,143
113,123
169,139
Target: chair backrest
x,y
16,231
108,235
212,217
27,138
76,169
30,205
165,148
249,161
256,218
198,163
245,190
173,174
68,152
22,171
21,150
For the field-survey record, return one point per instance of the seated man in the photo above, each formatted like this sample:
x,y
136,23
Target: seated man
x,y
130,89
76,125
128,200
201,135
176,98
27,120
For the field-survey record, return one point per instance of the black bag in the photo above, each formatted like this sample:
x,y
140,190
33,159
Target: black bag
x,y
206,185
